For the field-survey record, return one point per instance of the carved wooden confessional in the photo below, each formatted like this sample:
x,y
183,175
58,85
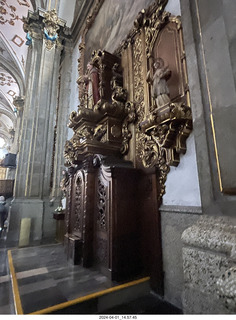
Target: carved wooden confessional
x,y
132,123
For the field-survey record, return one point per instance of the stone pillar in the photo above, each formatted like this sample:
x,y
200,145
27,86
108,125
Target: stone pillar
x,y
35,160
19,104
209,265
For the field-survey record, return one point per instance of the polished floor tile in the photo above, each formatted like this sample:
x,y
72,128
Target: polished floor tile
x,y
55,280
41,299
29,288
33,279
7,309
4,278
30,273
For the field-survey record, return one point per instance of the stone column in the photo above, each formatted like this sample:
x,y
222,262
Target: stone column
x,y
19,104
33,176
60,134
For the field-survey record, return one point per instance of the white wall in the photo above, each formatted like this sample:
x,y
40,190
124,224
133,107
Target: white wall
x,y
182,184
173,6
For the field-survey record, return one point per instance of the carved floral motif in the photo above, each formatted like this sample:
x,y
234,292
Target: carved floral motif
x,y
126,133
138,78
78,205
101,204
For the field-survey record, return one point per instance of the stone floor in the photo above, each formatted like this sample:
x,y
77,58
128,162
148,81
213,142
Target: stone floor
x,y
6,297
45,278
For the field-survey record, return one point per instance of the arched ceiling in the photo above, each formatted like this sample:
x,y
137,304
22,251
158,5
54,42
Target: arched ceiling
x,y
13,55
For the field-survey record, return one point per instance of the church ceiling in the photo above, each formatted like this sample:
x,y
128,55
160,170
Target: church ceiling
x,y
13,54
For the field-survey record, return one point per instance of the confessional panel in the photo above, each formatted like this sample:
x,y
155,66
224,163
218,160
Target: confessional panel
x,y
79,236
77,209
117,242
150,230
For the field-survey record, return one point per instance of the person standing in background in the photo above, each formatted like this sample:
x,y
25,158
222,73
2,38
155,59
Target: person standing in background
x,y
3,213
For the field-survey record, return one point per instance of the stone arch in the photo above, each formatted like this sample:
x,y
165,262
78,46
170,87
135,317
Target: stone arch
x,y
12,65
11,69
7,113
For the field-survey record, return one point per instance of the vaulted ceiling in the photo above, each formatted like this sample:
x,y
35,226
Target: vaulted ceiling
x,y
13,54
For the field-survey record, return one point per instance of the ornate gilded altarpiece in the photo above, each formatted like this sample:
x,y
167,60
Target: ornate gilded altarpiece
x,y
159,133
162,127
124,143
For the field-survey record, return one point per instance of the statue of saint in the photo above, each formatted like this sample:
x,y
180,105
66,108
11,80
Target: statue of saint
x,y
91,81
160,91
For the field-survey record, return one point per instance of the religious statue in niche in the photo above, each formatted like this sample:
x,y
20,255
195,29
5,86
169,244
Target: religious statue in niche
x,y
91,86
159,89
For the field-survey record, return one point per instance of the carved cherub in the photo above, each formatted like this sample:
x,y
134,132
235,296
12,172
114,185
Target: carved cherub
x,y
160,91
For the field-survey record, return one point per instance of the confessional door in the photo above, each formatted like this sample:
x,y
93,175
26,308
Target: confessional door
x,y
79,236
150,229
117,237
